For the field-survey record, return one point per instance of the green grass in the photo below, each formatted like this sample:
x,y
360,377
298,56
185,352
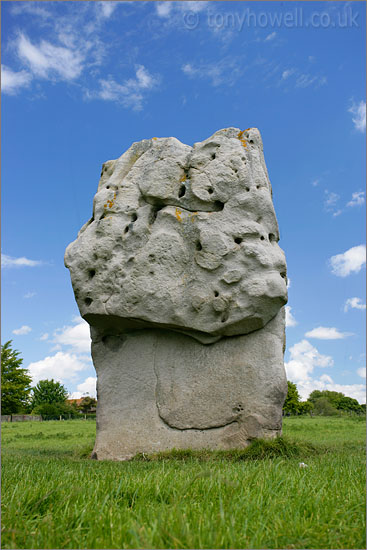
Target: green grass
x,y
54,497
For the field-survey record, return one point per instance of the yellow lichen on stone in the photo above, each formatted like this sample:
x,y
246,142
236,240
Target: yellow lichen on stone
x,y
178,214
183,178
154,138
241,138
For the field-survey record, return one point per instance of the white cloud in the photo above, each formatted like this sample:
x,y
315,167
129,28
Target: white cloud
x,y
331,200
287,73
77,337
32,8
107,8
361,372
48,61
350,261
270,36
225,71
289,319
25,329
29,295
354,303
288,282
130,93
163,9
191,5
306,80
8,261
44,336
327,333
88,387
62,367
303,80
358,198
358,111
303,359
12,82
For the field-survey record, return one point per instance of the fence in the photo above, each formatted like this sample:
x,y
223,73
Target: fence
x,y
20,418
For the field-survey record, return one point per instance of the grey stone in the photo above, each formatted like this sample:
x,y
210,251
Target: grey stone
x,y
181,278
159,390
172,228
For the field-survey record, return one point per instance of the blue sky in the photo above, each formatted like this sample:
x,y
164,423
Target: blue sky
x,y
82,81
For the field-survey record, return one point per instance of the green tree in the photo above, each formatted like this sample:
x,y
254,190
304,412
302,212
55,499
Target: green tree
x,y
291,403
349,404
15,382
87,404
324,407
53,411
305,407
48,391
333,397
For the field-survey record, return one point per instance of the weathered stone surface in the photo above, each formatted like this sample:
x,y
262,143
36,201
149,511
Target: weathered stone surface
x,y
158,389
181,278
182,238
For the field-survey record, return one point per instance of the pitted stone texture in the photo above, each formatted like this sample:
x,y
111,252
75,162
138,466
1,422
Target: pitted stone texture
x,y
159,389
183,238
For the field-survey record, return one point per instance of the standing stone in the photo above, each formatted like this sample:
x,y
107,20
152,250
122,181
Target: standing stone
x,y
181,278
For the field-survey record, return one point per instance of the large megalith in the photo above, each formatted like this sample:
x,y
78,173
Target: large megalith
x,y
181,278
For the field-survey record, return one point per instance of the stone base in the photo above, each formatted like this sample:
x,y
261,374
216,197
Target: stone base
x,y
159,390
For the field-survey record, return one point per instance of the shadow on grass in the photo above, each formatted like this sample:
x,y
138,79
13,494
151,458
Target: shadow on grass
x,y
259,449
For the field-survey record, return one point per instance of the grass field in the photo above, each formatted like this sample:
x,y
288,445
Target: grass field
x,y
55,497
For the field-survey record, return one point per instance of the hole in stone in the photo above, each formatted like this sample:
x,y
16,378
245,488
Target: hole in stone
x,y
88,301
262,238
181,191
210,191
247,189
151,258
216,293
235,170
258,187
213,156
134,217
238,240
107,187
154,212
251,141
219,205
126,230
131,259
198,245
91,273
283,275
272,237
224,317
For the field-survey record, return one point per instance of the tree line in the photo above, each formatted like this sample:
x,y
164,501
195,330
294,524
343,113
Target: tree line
x,y
321,402
47,398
